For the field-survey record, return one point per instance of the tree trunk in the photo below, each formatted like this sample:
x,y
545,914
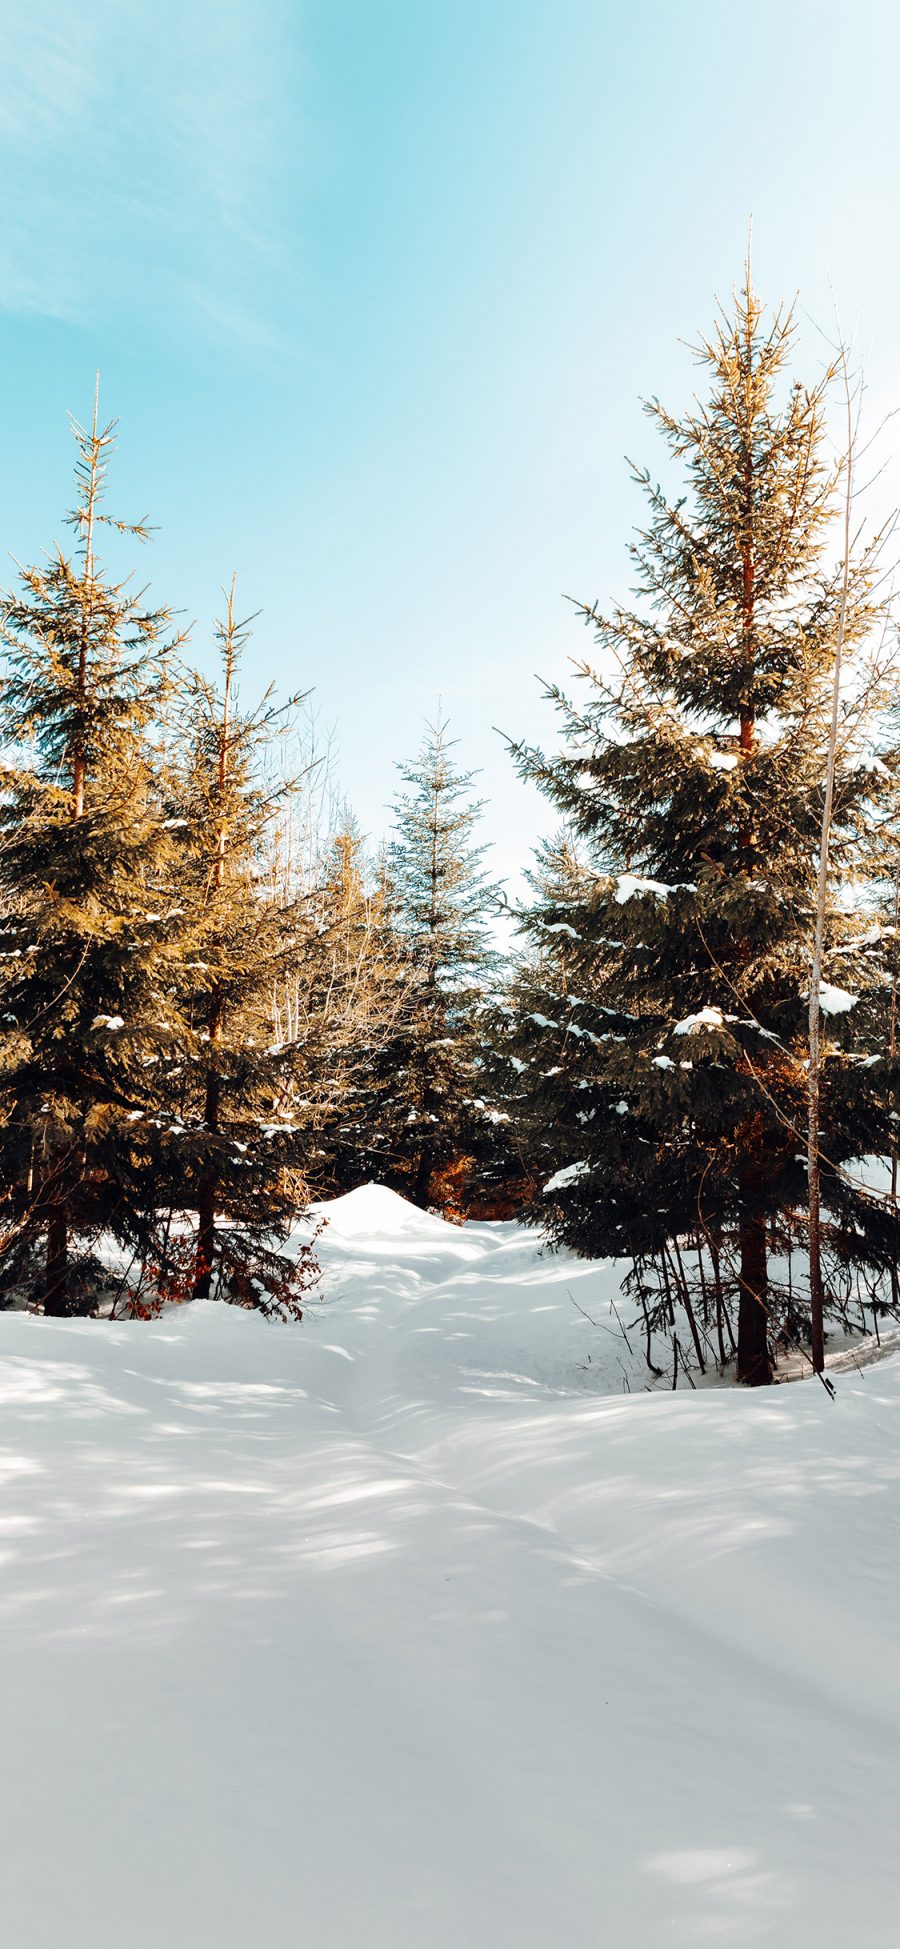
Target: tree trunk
x,y
93,483
754,1366
207,1190
423,1175
56,1283
814,1179
206,1238
816,1290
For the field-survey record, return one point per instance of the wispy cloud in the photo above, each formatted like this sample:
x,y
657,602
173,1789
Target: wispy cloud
x,y
148,155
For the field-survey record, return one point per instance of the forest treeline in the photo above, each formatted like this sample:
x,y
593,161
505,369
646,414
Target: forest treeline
x,y
219,1003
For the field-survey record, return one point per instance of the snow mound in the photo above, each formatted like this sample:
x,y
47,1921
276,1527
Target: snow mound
x,y
374,1212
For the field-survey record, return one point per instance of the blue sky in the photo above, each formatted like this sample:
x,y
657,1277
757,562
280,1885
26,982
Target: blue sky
x,y
375,288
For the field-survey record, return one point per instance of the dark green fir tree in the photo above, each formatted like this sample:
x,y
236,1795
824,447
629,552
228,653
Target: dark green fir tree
x,y
662,1038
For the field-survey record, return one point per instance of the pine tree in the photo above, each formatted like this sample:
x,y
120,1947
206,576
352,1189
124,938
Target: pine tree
x,y
351,978
439,903
90,928
523,1024
672,1070
237,1150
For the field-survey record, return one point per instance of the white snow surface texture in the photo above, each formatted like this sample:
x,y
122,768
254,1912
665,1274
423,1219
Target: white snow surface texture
x,y
400,1630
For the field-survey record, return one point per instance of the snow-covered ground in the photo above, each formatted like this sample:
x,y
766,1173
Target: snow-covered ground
x,y
395,1631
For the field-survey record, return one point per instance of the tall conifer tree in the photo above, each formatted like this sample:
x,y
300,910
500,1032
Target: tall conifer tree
x,y
91,929
672,1070
237,1154
350,975
440,902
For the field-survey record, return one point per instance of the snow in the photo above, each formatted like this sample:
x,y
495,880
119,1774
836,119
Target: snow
x,y
375,1214
402,1628
705,1018
568,1175
628,884
835,1001
717,761
869,761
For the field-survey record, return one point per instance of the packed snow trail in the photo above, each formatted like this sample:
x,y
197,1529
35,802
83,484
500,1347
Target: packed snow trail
x,y
394,1631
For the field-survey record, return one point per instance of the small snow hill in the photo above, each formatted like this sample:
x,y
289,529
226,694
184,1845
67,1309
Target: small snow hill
x,y
410,1628
374,1212
454,1308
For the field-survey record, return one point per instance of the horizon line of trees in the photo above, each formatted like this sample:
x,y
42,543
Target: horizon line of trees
x,y
217,1006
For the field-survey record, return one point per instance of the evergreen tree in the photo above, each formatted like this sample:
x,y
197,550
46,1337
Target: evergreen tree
x,y
351,976
671,1065
237,1151
91,931
439,902
543,986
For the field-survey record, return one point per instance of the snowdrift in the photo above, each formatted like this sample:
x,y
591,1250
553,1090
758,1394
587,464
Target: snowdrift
x,y
401,1628
373,1212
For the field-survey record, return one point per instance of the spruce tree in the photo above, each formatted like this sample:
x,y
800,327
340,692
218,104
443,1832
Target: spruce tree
x,y
350,975
91,927
439,903
236,1153
671,1070
524,1022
